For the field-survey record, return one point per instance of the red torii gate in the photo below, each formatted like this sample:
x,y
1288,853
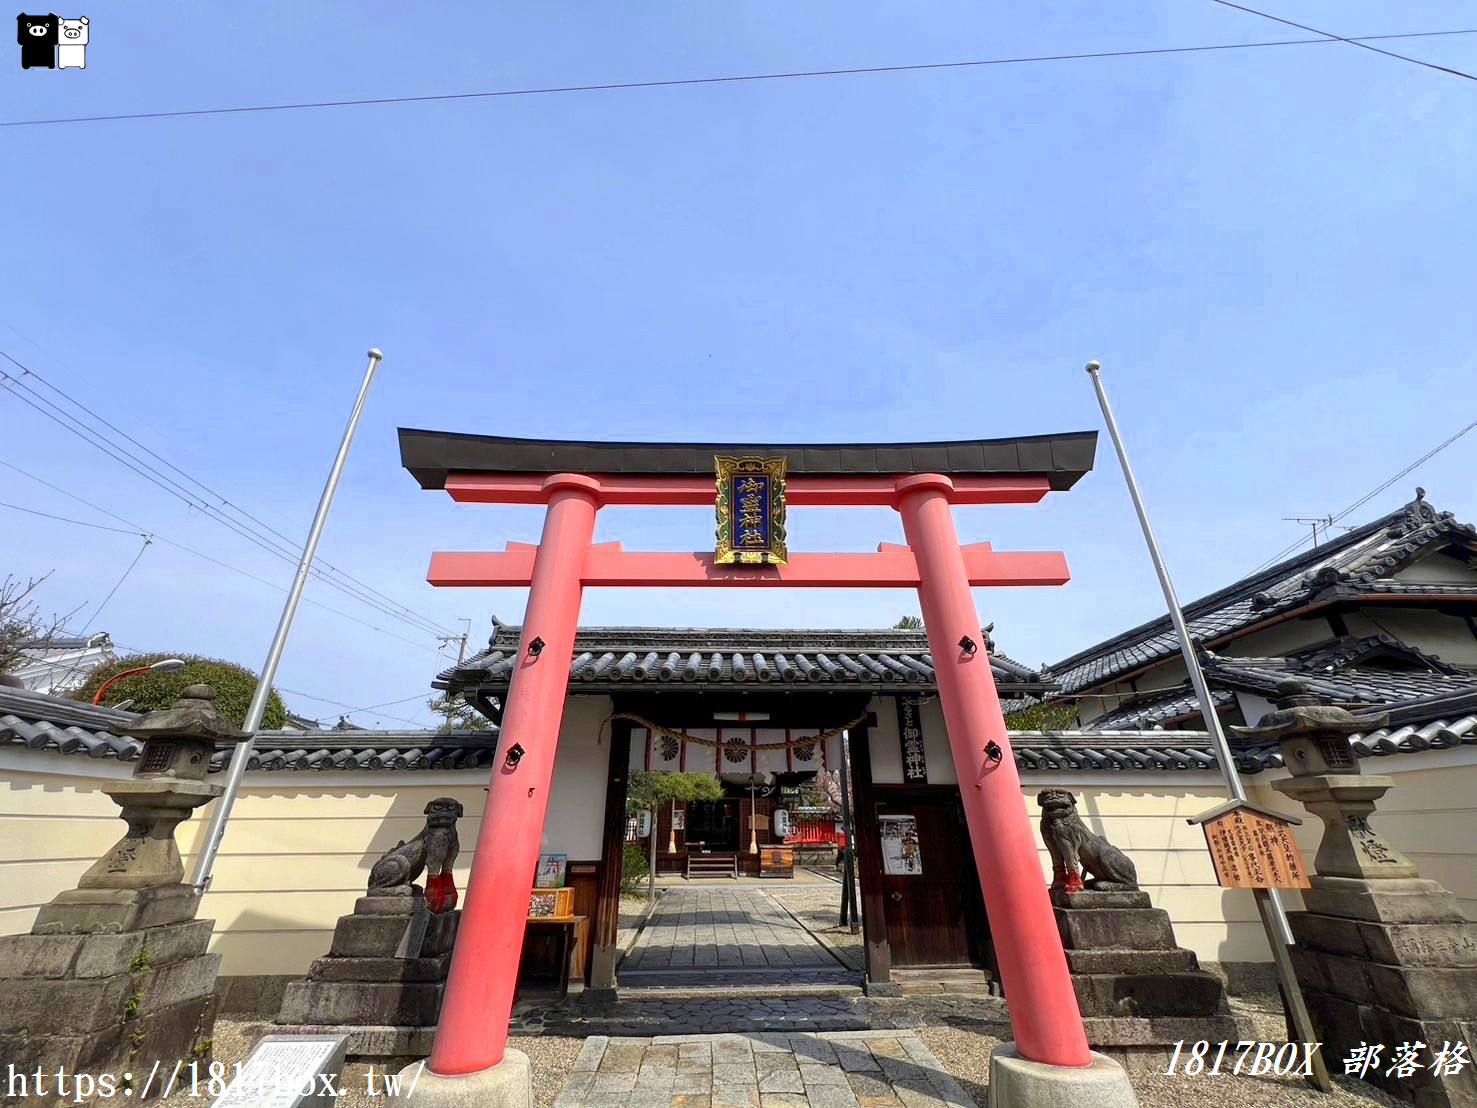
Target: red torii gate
x,y
922,482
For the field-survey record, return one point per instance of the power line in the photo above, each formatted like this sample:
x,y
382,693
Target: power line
x,y
113,401
1367,497
27,371
216,561
737,79
99,609
1362,44
278,548
309,696
78,522
349,711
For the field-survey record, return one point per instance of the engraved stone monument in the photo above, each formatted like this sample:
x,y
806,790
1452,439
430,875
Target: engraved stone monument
x,y
114,976
1383,955
382,979
1138,991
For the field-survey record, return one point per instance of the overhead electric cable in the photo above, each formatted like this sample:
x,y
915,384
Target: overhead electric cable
x,y
1361,43
119,454
736,79
216,561
1370,495
285,540
78,522
99,609
348,710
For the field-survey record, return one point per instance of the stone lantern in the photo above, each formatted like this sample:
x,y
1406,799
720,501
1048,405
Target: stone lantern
x,y
114,977
1314,738
1382,954
137,882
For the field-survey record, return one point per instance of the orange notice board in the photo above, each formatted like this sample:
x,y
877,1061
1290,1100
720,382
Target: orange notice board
x,y
1253,848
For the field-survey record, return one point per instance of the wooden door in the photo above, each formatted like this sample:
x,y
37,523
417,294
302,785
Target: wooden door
x,y
935,916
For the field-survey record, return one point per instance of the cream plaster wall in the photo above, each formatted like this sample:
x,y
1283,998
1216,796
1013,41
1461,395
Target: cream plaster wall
x,y
300,844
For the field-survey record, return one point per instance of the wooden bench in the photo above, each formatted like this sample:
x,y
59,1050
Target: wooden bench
x,y
712,865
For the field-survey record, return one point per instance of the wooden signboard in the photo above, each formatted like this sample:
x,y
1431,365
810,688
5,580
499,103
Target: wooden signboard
x,y
1253,848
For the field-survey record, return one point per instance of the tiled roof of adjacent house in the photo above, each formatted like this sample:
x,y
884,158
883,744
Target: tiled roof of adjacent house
x,y
431,455
57,726
608,658
1361,561
1152,711
39,722
1375,670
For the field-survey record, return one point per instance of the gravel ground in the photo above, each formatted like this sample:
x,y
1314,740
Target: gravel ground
x,y
965,1053
819,907
632,912
552,1058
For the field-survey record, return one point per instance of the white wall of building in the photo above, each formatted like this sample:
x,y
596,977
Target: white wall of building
x,y
300,844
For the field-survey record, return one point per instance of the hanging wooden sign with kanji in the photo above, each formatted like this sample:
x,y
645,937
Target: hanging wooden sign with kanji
x,y
1253,848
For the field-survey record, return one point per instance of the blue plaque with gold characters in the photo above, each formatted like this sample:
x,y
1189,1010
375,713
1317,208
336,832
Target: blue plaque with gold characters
x,y
751,511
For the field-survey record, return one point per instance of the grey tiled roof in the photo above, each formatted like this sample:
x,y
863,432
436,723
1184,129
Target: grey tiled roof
x,y
431,455
48,723
1352,672
1348,686
57,726
1358,562
607,658
1145,713
1407,738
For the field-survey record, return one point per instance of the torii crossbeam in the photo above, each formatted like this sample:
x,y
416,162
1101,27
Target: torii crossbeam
x,y
922,482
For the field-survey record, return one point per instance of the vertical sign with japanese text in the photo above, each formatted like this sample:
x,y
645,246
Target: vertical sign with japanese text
x,y
910,736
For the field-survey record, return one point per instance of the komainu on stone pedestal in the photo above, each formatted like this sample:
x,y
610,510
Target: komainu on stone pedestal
x,y
1383,955
1137,990
1074,849
114,976
432,852
382,979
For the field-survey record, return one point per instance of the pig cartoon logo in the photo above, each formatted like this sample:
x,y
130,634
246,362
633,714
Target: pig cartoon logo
x,y
37,37
48,42
71,49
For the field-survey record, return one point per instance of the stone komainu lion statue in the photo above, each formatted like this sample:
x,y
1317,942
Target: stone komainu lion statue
x,y
1075,850
432,852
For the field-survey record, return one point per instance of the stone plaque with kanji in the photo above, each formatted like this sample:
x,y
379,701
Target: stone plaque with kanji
x,y
1253,849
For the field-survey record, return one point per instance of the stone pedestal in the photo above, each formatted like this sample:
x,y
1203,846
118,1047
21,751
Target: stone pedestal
x,y
382,980
1383,956
114,978
1390,965
1016,1082
1138,991
107,1002
509,1084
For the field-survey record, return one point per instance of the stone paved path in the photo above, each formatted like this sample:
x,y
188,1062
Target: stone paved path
x,y
843,1069
697,931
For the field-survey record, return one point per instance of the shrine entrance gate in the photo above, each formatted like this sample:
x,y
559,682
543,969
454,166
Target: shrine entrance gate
x,y
922,482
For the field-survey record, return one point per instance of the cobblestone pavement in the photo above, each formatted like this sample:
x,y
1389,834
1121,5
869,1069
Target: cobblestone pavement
x,y
785,1013
846,1069
697,930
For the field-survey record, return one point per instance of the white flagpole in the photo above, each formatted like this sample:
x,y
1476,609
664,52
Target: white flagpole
x,y
1269,901
242,753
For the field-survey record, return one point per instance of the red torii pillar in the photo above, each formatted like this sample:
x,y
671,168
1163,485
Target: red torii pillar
x,y
473,1030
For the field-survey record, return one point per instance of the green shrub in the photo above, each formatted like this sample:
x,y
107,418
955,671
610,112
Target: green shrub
x,y
155,690
634,869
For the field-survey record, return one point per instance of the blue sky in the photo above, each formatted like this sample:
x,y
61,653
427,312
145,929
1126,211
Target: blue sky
x,y
1269,250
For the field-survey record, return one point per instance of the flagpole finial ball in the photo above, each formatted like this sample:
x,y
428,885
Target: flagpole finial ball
x,y
374,352
1093,367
